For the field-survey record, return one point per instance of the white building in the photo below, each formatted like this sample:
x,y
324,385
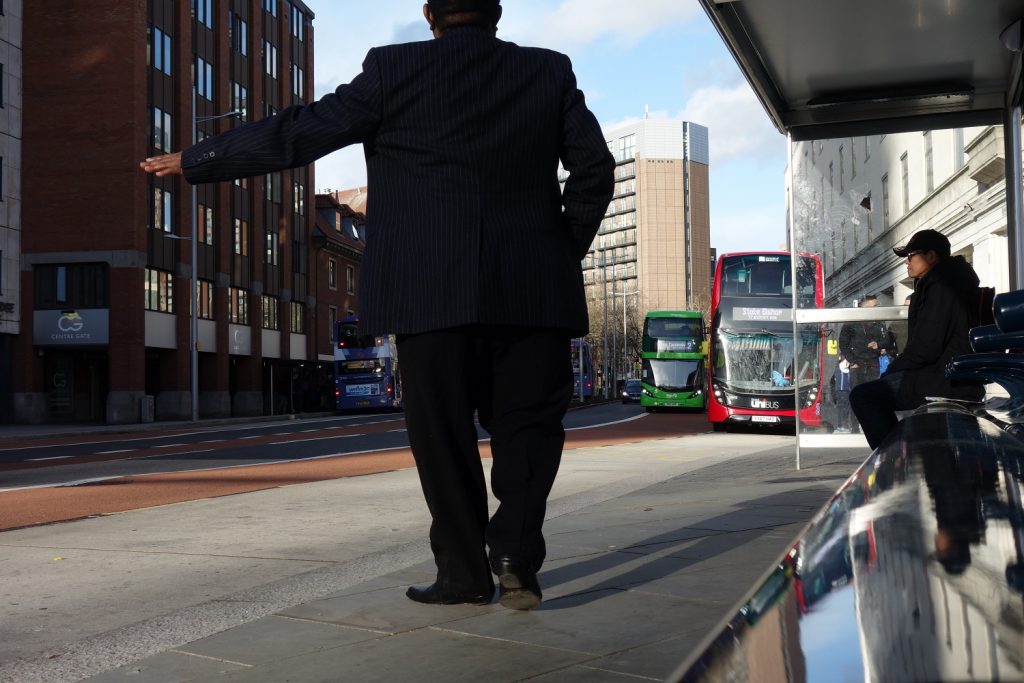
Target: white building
x,y
856,198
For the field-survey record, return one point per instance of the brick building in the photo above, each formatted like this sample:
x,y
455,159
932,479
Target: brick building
x,y
10,196
338,241
106,263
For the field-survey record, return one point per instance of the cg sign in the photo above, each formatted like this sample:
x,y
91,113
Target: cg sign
x,y
70,322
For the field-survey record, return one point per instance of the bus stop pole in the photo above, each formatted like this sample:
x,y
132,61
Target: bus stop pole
x,y
1015,243
793,263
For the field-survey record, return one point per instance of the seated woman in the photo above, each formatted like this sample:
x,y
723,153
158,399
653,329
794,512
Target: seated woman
x,y
940,317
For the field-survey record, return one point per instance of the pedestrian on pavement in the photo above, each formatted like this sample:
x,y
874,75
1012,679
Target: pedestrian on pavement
x,y
842,384
941,314
472,260
863,343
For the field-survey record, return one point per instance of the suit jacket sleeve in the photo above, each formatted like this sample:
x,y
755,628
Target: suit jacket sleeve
x,y
294,137
591,167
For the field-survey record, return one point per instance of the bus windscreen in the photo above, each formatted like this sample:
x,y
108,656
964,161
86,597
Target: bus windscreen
x,y
673,374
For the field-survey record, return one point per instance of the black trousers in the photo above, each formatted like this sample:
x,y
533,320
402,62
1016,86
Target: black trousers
x,y
875,405
519,382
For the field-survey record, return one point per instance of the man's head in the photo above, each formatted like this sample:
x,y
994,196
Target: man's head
x,y
924,251
869,301
444,14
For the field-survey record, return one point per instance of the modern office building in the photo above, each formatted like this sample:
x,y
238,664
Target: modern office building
x,y
106,265
655,238
856,198
10,197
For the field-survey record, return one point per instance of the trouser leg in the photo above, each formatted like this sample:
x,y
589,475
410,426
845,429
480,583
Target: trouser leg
x,y
875,405
531,386
438,383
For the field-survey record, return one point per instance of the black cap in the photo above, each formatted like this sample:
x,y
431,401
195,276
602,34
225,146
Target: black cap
x,y
925,240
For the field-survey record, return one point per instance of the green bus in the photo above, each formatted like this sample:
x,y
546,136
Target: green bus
x,y
674,356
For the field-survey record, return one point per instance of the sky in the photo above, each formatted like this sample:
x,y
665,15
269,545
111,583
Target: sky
x,y
660,55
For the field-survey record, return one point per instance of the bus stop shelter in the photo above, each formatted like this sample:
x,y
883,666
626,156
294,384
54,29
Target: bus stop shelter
x,y
827,69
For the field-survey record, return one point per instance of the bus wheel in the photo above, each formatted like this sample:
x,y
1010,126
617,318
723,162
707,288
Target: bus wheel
x,y
718,427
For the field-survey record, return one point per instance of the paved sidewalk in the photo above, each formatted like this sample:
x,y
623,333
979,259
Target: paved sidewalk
x,y
650,546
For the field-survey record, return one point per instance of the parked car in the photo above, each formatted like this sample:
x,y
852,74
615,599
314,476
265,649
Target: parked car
x,y
631,391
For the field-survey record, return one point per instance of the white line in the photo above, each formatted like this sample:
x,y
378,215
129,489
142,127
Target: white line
x,y
55,457
123,450
605,424
397,430
318,438
212,441
256,436
170,445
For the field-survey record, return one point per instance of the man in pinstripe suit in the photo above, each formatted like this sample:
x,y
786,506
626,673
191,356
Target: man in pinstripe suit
x,y
472,260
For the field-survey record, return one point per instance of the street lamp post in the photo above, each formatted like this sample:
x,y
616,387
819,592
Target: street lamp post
x,y
193,280
624,318
605,366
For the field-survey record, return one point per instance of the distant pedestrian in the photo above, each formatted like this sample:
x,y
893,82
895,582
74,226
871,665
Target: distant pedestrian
x,y
842,384
472,259
941,314
862,343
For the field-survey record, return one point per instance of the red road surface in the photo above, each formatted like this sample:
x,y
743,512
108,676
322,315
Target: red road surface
x,y
48,505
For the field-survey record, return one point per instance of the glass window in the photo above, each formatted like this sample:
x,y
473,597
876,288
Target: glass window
x,y
162,130
270,6
162,205
270,313
204,78
297,24
298,317
958,149
885,201
905,176
238,34
238,306
298,82
240,99
240,241
202,11
332,273
269,58
204,295
80,285
350,279
271,247
159,290
160,51
929,168
206,223
299,198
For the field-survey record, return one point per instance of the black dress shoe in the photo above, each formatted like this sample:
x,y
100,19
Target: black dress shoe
x,y
517,583
432,595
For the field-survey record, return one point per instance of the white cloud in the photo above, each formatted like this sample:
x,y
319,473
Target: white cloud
x,y
738,125
575,23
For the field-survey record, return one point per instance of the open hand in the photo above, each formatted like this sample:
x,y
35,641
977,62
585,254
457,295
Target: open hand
x,y
165,164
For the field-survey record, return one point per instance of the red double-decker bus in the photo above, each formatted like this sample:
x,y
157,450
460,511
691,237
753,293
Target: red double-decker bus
x,y
752,362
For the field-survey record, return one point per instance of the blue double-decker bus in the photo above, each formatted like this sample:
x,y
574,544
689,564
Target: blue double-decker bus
x,y
365,369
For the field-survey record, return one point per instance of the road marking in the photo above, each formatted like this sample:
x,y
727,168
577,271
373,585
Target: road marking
x,y
605,424
170,445
319,438
397,430
55,457
212,441
123,450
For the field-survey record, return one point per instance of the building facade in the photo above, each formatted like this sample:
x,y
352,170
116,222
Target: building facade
x,y
339,239
655,238
107,271
854,199
10,197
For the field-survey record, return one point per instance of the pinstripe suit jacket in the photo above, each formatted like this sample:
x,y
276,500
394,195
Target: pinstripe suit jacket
x,y
465,219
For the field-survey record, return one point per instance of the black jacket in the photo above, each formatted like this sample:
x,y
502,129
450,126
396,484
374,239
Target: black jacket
x,y
938,324
855,337
466,222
